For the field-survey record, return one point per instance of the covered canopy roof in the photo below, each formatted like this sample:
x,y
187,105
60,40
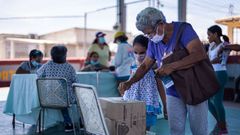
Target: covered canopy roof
x,y
233,21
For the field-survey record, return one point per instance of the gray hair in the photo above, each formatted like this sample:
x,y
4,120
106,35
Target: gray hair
x,y
149,17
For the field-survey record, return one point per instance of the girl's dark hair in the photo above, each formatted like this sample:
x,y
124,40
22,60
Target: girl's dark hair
x,y
216,29
225,38
142,40
35,53
92,53
59,54
122,39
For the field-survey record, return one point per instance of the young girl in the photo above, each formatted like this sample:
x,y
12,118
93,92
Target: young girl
x,y
148,87
94,64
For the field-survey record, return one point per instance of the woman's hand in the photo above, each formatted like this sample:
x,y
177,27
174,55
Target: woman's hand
x,y
164,70
123,86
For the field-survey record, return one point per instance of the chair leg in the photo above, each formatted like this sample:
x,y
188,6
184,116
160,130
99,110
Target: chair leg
x,y
39,121
43,120
79,119
74,129
14,121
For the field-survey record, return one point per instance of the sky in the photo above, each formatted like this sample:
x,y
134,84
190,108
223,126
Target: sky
x,y
200,13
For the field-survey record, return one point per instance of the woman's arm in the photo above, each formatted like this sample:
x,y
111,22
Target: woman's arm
x,y
233,47
216,60
141,71
196,54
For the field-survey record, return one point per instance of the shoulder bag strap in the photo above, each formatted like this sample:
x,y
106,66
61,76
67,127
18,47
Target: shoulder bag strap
x,y
179,35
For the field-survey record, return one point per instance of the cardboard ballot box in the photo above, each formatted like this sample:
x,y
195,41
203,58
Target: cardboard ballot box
x,y
124,117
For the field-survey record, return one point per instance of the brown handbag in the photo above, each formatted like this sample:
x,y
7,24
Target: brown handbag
x,y
197,83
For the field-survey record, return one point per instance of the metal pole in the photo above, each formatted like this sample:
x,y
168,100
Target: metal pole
x,y
121,15
182,10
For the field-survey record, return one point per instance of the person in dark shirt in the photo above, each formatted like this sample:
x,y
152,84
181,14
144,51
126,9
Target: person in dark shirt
x,y
34,63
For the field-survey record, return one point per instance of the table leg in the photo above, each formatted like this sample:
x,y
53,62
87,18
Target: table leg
x,y
13,121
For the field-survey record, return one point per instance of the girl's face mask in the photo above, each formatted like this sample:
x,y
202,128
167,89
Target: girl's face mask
x,y
140,57
94,62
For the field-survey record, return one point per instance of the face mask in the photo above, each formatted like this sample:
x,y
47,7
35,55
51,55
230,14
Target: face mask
x,y
35,64
94,62
118,42
140,57
157,38
101,40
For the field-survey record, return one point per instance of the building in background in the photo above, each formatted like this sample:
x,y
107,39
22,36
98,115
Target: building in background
x,y
18,46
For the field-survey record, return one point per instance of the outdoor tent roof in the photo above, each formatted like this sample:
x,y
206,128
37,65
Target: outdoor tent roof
x,y
233,21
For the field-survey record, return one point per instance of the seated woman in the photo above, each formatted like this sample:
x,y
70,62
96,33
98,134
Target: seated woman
x,y
59,67
34,63
148,88
93,64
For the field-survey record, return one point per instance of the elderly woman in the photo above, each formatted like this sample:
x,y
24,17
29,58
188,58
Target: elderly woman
x,y
34,63
162,37
59,67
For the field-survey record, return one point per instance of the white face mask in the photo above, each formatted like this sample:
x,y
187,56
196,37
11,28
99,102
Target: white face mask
x,y
157,38
139,58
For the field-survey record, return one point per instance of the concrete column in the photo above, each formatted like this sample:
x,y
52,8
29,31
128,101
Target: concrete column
x,y
3,49
78,50
41,47
230,33
121,15
85,35
12,50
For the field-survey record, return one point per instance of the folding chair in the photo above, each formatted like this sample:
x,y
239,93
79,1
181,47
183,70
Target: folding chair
x,y
90,110
52,93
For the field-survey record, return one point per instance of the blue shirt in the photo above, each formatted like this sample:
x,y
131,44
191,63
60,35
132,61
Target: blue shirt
x,y
64,70
156,51
124,59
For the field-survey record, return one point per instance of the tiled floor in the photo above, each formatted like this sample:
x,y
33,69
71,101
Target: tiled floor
x,y
7,129
232,116
161,128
